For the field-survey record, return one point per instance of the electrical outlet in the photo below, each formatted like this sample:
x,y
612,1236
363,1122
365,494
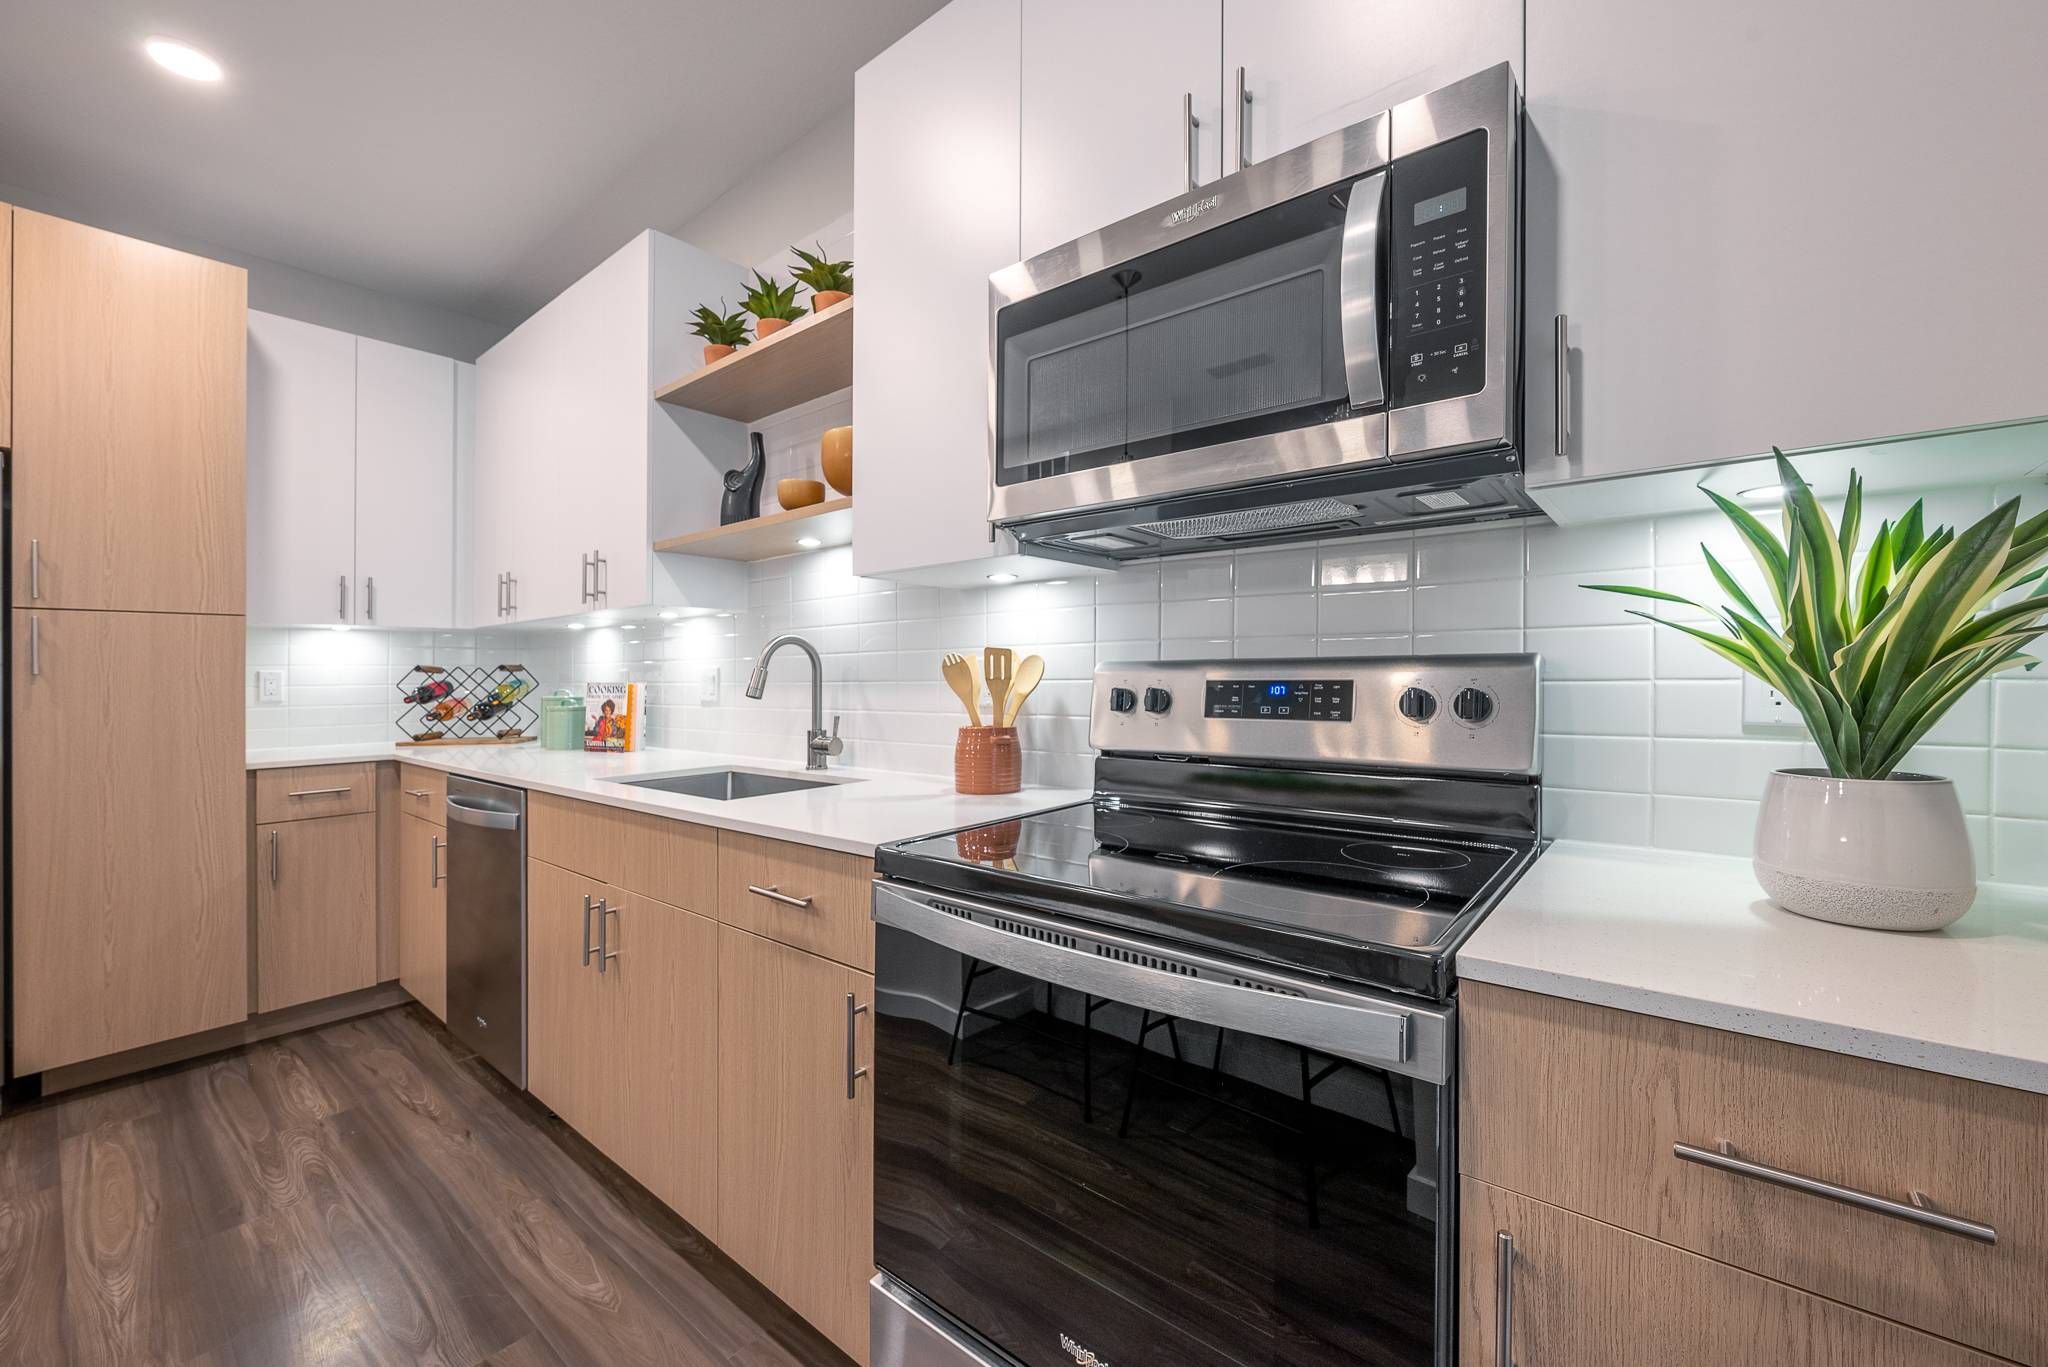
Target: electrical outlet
x,y
707,688
270,685
1765,708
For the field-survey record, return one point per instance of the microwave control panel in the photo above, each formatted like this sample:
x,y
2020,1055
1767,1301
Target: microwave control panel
x,y
1437,230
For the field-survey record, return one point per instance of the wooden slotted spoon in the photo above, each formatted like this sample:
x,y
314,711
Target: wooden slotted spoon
x,y
996,665
1029,671
959,674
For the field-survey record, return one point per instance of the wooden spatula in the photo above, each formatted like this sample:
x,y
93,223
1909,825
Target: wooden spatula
x,y
959,674
996,664
1029,671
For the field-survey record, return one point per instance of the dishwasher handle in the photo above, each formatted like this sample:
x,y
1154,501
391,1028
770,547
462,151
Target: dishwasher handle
x,y
489,817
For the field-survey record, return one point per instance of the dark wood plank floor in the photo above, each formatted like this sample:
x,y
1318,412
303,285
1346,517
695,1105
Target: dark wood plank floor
x,y
367,1192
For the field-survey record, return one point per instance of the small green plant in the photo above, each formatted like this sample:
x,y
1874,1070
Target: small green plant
x,y
766,299
822,275
718,327
1872,658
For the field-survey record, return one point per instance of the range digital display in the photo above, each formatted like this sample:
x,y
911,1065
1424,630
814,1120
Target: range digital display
x,y
1279,699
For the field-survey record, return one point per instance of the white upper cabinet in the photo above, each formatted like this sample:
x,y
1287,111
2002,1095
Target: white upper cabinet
x,y
302,460
1780,224
1311,67
405,486
577,468
1109,95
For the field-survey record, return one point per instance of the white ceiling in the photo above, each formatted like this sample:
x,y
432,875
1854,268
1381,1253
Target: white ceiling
x,y
475,155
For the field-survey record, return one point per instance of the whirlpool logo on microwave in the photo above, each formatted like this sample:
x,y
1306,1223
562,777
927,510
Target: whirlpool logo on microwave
x,y
1186,213
1084,1357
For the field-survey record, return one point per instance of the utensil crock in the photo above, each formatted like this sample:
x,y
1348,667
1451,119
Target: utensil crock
x,y
988,759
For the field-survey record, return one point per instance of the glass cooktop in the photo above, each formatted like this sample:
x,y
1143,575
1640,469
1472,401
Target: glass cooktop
x,y
1378,906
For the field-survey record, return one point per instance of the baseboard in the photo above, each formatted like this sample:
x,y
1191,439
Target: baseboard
x,y
269,1025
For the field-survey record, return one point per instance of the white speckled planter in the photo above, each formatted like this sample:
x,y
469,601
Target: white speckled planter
x,y
1886,854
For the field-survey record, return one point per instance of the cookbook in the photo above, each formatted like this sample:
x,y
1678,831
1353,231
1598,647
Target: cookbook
x,y
612,717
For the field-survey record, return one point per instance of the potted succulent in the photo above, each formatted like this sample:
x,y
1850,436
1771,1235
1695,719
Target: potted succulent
x,y
723,333
774,306
1871,656
831,282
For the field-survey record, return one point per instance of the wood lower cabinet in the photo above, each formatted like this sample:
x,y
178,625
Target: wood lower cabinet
x,y
423,912
563,1032
1588,1294
130,891
316,909
815,899
796,1129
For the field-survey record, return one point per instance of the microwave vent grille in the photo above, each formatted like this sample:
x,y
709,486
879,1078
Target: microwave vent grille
x,y
1254,521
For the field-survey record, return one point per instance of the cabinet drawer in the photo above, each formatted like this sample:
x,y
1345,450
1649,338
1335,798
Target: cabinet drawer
x,y
671,861
1592,1295
816,900
1581,1107
423,793
321,790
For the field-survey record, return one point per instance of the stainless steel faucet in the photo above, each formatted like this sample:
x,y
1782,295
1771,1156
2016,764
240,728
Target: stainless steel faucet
x,y
818,744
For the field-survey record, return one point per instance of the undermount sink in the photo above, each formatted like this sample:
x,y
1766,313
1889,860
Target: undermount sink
x,y
729,785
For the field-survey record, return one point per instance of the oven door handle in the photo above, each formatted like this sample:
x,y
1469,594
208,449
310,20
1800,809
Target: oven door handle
x,y
1102,963
1358,291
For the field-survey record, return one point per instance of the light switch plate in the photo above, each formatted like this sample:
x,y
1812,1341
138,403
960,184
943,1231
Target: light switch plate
x,y
707,688
270,685
1764,708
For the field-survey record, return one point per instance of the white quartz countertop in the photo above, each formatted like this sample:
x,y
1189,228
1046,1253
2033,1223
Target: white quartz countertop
x,y
1691,937
853,817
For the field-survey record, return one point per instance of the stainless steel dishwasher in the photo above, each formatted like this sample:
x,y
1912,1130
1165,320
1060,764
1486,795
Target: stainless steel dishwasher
x,y
487,922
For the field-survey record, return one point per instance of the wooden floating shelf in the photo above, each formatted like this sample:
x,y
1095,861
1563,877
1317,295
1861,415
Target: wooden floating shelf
x,y
764,538
811,357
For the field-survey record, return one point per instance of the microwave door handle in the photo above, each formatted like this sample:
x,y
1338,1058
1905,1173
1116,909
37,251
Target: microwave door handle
x,y
1358,290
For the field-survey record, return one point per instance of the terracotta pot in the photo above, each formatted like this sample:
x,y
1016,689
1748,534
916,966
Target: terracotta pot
x,y
988,759
825,299
835,451
1885,854
793,494
717,351
768,327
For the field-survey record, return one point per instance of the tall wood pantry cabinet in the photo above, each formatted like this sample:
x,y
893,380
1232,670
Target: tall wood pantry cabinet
x,y
125,419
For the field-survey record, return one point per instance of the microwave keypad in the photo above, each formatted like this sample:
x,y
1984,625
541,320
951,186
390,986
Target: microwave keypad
x,y
1438,232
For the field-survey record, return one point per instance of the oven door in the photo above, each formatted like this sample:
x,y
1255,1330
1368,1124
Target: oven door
x,y
1091,1148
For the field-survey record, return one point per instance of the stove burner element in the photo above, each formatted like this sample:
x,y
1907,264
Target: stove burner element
x,y
1376,854
1272,877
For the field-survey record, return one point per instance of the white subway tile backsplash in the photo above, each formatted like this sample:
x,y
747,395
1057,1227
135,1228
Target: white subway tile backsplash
x,y
1614,764
1356,564
1195,577
1365,612
1280,614
1485,553
1709,825
1722,768
1616,818
1290,570
1706,709
2019,850
2020,779
1483,642
2020,710
1205,617
1589,708
1591,652
1598,546
1490,604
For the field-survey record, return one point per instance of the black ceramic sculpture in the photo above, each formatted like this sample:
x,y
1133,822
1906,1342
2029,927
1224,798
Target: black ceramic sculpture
x,y
742,500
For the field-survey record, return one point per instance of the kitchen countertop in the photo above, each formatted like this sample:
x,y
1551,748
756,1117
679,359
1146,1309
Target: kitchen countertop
x,y
1690,937
850,817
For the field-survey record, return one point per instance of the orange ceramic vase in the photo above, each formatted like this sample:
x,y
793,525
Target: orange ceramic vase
x,y
835,453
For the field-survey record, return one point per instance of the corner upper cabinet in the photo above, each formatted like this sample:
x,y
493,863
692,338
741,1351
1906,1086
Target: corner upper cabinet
x,y
1770,224
578,469
404,486
1311,67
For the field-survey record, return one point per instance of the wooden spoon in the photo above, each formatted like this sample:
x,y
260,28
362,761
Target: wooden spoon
x,y
996,664
1029,671
960,678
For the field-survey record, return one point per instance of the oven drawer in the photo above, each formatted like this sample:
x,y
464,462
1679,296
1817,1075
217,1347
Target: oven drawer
x,y
1623,1118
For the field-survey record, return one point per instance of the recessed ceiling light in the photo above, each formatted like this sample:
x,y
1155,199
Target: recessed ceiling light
x,y
182,60
1055,583
809,543
575,626
670,616
1002,579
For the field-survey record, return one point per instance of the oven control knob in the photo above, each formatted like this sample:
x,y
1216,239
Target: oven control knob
x,y
1157,700
1473,706
1418,704
1122,700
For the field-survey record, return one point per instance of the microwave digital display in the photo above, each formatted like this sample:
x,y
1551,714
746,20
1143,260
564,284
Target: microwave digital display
x,y
1443,206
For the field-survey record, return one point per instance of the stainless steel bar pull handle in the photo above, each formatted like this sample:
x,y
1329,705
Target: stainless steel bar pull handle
x,y
605,953
418,792
1916,1209
1187,114
775,894
370,598
586,931
1244,118
1564,387
854,1072
1504,1300
341,597
317,792
276,856
35,647
600,578
584,592
35,569
435,844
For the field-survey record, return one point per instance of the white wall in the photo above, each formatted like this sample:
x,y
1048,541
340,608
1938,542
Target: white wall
x,y
787,200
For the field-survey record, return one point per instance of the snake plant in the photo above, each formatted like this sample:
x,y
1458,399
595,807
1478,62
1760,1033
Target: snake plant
x,y
718,327
766,299
1873,656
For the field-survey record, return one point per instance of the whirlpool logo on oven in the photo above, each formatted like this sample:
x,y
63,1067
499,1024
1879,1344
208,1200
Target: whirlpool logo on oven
x,y
1082,1357
1186,213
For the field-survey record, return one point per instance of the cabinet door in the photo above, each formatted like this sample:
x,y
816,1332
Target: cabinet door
x,y
302,459
1107,90
1596,1296
464,567
131,920
1750,253
129,412
796,1129
1314,66
316,909
564,1033
655,1071
404,487
423,912
936,201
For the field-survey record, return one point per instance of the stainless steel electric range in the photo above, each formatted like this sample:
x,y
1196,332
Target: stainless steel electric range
x,y
1167,1077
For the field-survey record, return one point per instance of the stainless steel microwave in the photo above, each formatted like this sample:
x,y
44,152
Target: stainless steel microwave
x,y
1325,342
